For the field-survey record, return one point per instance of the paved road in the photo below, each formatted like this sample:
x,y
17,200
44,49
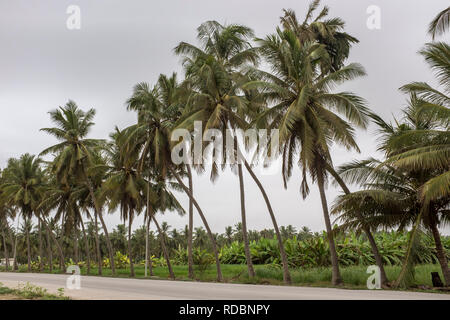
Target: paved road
x,y
119,288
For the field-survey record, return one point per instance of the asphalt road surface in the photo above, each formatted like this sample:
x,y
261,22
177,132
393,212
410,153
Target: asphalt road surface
x,y
102,288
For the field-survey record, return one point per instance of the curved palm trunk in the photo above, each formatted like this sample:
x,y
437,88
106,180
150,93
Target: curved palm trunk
x,y
408,261
58,245
284,261
191,225
336,275
440,252
365,227
130,253
105,229
41,252
248,257
164,248
205,223
97,246
49,252
86,248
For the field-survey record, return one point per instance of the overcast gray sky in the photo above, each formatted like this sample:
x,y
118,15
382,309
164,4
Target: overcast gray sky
x,y
120,43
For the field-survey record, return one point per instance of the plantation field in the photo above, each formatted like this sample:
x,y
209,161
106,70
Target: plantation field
x,y
354,277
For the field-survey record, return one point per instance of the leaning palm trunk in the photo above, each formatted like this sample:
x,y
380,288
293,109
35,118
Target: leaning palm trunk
x,y
105,229
191,225
407,271
248,257
164,248
86,248
336,275
205,223
97,246
284,261
365,227
440,253
130,253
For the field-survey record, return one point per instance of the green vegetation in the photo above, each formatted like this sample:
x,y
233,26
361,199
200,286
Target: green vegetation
x,y
31,292
233,80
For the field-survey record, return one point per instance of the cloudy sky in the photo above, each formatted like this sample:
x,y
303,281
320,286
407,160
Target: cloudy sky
x,y
120,43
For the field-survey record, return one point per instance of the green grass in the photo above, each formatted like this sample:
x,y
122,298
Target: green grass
x,y
354,277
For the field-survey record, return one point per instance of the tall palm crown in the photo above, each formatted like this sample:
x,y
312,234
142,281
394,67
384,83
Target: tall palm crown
x,y
214,75
123,185
303,107
157,111
328,32
74,152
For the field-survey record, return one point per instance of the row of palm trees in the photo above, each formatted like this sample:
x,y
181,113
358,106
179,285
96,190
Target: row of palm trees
x,y
224,88
73,244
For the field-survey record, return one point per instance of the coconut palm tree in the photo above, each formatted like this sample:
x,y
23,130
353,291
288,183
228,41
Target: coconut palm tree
x,y
153,131
74,154
329,32
124,186
213,72
306,111
6,212
427,147
22,188
392,195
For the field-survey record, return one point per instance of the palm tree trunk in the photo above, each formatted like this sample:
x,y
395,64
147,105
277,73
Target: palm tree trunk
x,y
148,261
75,246
86,248
440,252
41,252
105,229
248,257
28,245
336,276
14,242
49,252
58,245
5,249
365,227
191,225
284,261
130,253
205,223
164,248
97,246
